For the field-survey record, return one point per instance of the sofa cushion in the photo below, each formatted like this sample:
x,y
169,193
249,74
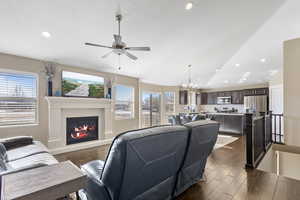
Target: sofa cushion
x,y
41,158
25,151
15,142
3,153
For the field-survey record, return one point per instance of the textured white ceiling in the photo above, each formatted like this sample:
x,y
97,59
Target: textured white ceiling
x,y
212,35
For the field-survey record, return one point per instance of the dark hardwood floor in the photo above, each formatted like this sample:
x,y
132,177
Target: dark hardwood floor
x,y
226,178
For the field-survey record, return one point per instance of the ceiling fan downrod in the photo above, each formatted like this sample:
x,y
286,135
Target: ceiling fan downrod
x,y
119,18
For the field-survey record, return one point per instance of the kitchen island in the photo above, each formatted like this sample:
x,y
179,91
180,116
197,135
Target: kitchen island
x,y
230,123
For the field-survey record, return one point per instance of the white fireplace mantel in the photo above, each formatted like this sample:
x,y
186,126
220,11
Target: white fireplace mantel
x,y
59,108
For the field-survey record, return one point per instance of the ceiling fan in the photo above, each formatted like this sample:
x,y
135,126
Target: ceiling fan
x,y
118,46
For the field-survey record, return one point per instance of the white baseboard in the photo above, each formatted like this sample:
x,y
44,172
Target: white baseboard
x,y
80,146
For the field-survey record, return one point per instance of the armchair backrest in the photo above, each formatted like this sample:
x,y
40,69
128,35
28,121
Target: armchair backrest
x,y
203,136
143,164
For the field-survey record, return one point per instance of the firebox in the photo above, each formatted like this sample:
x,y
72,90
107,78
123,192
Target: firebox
x,y
81,129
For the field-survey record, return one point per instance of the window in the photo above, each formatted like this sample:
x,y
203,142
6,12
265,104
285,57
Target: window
x,y
124,103
169,98
18,99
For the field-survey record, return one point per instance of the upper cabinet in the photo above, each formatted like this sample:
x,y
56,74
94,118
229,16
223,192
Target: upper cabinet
x,y
198,98
183,97
237,96
256,91
204,98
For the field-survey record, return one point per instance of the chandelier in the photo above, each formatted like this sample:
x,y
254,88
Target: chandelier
x,y
190,84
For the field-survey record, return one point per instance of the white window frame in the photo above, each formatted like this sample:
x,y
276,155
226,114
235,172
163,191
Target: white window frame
x,y
133,102
4,70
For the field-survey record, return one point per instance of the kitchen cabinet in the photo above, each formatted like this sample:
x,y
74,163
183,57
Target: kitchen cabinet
x,y
237,96
212,98
198,99
203,98
183,97
256,91
262,91
230,123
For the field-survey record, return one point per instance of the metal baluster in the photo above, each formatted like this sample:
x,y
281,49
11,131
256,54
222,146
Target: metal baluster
x,y
280,128
275,127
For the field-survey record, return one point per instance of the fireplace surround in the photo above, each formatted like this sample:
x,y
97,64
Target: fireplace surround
x,y
62,108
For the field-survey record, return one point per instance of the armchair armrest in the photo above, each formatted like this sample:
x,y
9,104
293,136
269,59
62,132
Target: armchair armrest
x,y
95,189
33,166
15,142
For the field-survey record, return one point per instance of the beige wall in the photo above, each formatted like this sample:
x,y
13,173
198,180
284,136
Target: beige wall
x,y
40,131
291,84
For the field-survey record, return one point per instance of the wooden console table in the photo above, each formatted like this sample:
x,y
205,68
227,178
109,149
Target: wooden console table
x,y
43,183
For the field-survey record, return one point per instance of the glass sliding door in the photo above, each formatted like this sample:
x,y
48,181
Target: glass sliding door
x,y
151,109
169,103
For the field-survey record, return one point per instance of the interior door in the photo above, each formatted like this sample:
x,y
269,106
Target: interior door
x,y
151,109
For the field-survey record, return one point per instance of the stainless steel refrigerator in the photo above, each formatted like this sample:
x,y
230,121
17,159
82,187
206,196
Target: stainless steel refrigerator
x,y
256,103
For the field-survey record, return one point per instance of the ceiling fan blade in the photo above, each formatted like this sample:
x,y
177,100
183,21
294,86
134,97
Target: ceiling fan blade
x,y
138,48
97,45
118,39
133,57
107,54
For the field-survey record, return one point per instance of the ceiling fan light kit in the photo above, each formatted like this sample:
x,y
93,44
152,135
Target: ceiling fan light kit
x,y
118,46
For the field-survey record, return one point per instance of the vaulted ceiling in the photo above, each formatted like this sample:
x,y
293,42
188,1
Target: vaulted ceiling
x,y
213,37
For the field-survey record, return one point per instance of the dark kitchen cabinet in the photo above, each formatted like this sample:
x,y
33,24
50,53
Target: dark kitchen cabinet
x,y
212,98
204,98
262,91
198,99
183,97
237,97
256,91
221,94
249,92
230,123
228,94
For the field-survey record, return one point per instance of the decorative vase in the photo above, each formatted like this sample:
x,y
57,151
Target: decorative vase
x,y
109,93
49,72
50,88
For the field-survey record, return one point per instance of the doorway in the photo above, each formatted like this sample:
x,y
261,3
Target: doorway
x,y
151,109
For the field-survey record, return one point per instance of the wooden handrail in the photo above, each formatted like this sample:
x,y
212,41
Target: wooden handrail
x,y
286,148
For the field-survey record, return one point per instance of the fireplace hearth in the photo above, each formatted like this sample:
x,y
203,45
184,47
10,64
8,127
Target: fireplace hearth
x,y
81,129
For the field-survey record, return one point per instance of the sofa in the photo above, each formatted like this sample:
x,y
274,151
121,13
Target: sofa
x,y
153,163
185,118
23,153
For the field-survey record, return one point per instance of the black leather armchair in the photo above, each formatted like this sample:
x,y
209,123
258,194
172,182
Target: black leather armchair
x,y
156,163
141,164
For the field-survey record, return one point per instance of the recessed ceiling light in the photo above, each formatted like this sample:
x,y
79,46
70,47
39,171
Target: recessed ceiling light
x,y
226,81
263,60
237,65
189,6
46,34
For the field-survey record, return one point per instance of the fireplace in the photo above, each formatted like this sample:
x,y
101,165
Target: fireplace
x,y
81,129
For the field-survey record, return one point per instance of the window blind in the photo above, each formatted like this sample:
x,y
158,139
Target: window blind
x,y
18,99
